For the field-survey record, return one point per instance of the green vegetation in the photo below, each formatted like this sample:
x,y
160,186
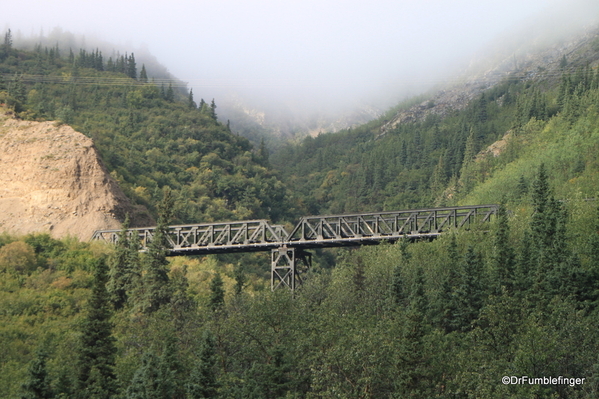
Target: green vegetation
x,y
445,319
150,137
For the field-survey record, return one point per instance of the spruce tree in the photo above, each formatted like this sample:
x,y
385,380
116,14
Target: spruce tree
x,y
413,366
466,174
124,267
469,292
156,377
240,280
359,278
525,267
503,257
202,383
7,45
447,303
97,349
143,75
131,67
217,292
541,225
398,292
213,109
182,304
418,299
37,385
157,291
146,378
190,103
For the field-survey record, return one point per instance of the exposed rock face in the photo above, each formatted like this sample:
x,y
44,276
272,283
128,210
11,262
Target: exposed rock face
x,y
531,61
53,180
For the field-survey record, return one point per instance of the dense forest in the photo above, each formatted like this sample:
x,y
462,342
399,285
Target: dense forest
x,y
448,318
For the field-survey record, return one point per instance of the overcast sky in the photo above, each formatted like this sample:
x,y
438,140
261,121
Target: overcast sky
x,y
318,49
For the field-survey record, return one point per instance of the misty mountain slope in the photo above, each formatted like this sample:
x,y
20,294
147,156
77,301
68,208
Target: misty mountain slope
x,y
150,136
424,153
525,60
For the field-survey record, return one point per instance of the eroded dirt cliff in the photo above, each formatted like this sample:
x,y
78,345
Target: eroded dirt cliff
x,y
53,180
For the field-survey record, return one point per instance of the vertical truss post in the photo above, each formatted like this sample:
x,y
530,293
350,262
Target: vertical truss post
x,y
287,264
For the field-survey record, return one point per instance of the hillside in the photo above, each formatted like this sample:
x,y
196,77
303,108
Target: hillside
x,y
449,318
421,152
54,181
149,135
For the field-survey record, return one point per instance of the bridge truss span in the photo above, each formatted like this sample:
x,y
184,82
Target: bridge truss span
x,y
288,249
372,228
209,238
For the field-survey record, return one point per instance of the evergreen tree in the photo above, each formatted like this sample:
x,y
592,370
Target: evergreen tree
x,y
541,225
398,292
170,94
270,380
143,75
549,251
504,256
240,280
413,366
522,187
157,376
359,278
131,68
71,57
438,178
213,109
8,40
466,174
469,292
202,383
97,349
182,304
418,300
447,305
157,291
190,103
110,65
263,152
37,385
7,45
525,267
98,61
217,292
146,379
124,268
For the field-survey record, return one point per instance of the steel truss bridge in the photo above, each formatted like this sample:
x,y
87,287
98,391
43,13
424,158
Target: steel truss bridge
x,y
289,255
